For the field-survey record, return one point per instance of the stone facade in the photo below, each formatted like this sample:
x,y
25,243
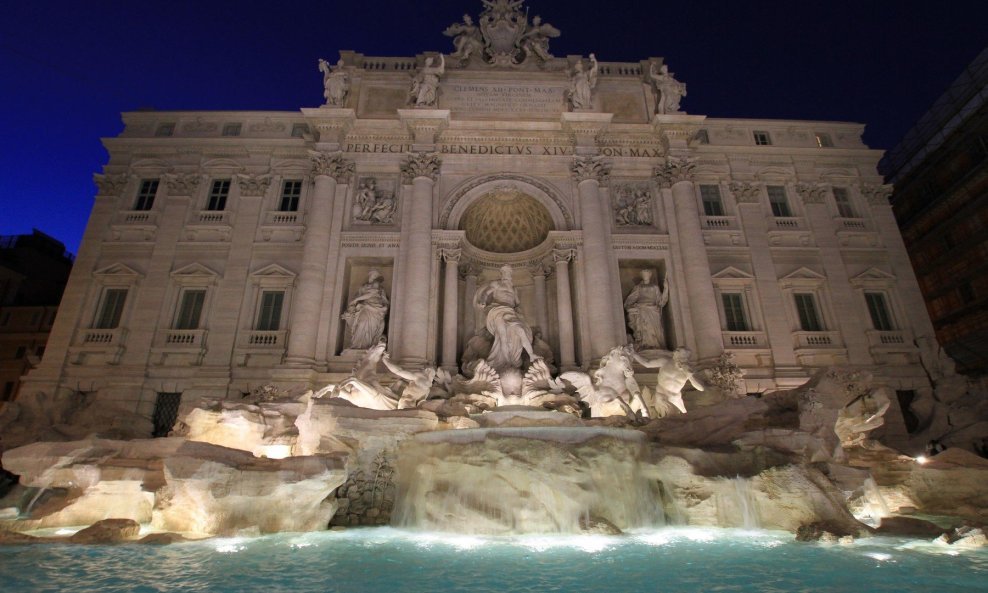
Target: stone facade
x,y
223,247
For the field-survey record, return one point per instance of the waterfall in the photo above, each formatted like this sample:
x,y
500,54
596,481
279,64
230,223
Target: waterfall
x,y
737,505
874,506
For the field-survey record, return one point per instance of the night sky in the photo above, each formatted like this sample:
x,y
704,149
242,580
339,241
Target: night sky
x,y
67,70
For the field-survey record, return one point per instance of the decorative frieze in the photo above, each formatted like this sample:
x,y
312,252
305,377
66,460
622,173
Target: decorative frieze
x,y
332,165
811,193
375,202
632,205
422,164
253,185
590,167
110,185
877,195
746,193
675,170
182,184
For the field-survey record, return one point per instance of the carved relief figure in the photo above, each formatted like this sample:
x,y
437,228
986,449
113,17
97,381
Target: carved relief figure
x,y
512,336
633,207
582,83
535,41
336,83
466,39
668,91
366,313
674,373
425,85
373,205
644,309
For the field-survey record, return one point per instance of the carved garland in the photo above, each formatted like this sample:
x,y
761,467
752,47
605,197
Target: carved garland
x,y
746,193
110,185
253,185
811,193
182,184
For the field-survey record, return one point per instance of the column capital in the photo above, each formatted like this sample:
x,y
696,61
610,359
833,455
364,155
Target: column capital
x,y
563,255
451,254
745,192
253,185
182,184
675,170
877,195
420,164
331,165
468,268
110,185
539,269
811,193
590,168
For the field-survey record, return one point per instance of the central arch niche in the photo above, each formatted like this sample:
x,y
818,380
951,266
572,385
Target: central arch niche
x,y
506,220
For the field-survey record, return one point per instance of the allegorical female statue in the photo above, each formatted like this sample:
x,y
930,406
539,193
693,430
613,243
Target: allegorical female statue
x,y
365,314
336,83
582,83
644,309
425,85
512,336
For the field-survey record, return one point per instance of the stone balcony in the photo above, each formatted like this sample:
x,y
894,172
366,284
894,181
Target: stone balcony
x,y
179,347
748,339
256,348
98,346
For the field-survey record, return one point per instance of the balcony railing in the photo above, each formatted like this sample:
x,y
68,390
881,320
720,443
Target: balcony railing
x,y
745,340
213,217
889,339
266,339
719,222
853,224
188,338
277,217
104,337
787,223
137,217
821,339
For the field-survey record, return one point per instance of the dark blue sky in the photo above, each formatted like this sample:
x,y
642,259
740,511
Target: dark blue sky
x,y
67,70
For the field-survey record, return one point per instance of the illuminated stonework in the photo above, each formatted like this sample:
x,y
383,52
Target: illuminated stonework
x,y
506,221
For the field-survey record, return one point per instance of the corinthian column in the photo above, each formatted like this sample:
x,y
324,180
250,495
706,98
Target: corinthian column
x,y
677,174
420,171
329,170
450,313
539,273
564,308
589,172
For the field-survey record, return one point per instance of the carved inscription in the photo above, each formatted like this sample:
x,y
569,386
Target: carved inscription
x,y
503,99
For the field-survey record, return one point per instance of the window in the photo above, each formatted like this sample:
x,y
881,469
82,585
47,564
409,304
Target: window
x,y
881,318
843,200
702,137
8,390
299,130
145,194
712,205
190,309
231,130
809,319
823,140
734,313
164,130
269,314
218,194
762,139
291,191
21,351
110,308
777,199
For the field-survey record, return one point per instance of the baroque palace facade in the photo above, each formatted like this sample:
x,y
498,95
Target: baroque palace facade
x,y
227,250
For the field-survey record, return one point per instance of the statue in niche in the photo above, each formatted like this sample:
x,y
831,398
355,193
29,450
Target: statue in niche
x,y
336,83
535,41
512,336
581,84
373,205
425,84
668,91
365,314
633,207
466,39
674,373
644,310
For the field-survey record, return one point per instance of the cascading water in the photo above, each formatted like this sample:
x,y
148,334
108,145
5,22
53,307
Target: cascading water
x,y
874,507
737,506
525,480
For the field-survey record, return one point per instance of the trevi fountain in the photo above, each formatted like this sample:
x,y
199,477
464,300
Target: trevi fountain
x,y
647,467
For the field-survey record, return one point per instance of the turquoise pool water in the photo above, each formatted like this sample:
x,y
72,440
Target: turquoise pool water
x,y
366,561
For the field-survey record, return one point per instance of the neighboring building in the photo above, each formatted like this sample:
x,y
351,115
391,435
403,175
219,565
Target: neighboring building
x,y
940,173
33,271
224,247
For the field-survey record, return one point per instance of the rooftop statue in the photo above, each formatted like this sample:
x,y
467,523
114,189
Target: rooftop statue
x,y
466,39
425,84
336,83
502,37
535,41
668,91
581,85
365,314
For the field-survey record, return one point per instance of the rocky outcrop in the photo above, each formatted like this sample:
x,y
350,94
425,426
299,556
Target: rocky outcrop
x,y
107,531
